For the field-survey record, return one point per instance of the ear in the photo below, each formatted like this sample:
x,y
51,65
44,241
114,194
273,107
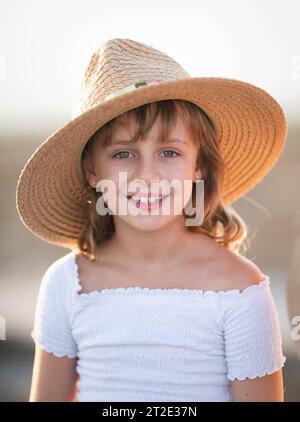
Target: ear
x,y
198,174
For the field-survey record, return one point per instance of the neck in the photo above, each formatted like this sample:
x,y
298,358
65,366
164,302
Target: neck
x,y
149,249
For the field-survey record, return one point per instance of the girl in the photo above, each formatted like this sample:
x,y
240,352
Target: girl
x,y
148,306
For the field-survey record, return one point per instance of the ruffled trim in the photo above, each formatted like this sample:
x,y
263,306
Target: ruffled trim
x,y
260,374
50,349
138,290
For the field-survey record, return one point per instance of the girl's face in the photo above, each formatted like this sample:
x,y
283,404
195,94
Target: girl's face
x,y
141,164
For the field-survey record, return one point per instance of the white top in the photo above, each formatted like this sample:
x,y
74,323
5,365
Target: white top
x,y
152,344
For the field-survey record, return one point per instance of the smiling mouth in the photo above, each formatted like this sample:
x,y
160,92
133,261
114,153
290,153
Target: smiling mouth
x,y
144,201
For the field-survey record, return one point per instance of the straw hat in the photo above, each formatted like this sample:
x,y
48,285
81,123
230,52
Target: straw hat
x,y
124,74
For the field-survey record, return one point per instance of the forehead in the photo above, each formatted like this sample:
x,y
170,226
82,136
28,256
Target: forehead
x,y
126,126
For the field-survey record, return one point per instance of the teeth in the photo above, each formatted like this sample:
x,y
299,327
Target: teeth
x,y
145,200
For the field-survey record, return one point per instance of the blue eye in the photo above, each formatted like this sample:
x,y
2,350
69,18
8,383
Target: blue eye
x,y
174,152
121,152
117,155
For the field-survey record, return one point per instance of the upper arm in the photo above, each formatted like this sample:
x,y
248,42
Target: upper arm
x,y
54,370
252,336
52,322
53,378
260,389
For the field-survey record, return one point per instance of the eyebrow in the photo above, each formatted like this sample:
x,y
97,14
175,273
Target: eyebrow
x,y
126,142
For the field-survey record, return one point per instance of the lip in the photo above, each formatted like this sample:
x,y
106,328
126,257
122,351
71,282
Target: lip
x,y
149,206
148,194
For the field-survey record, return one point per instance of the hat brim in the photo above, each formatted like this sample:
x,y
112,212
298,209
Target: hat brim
x,y
51,197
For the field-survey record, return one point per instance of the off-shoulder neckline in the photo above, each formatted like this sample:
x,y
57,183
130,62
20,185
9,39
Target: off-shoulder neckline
x,y
157,291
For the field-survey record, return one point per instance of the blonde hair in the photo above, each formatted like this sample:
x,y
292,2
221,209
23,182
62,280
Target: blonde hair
x,y
221,222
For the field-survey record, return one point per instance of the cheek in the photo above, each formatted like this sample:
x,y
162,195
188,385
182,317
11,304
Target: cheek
x,y
182,174
182,166
181,180
104,170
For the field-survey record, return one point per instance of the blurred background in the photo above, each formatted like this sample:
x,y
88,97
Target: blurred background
x,y
44,49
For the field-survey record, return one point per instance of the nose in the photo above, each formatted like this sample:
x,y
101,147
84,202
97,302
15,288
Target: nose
x,y
147,171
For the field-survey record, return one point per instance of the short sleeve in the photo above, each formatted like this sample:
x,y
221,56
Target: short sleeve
x,y
52,329
252,337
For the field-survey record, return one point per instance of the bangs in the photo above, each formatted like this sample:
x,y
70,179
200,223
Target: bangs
x,y
146,115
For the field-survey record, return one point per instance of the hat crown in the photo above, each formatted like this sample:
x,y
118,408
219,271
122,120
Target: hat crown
x,y
120,63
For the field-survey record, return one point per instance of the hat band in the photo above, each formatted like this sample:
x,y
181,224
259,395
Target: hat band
x,y
129,88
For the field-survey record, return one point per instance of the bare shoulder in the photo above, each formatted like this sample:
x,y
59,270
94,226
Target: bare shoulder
x,y
229,270
237,271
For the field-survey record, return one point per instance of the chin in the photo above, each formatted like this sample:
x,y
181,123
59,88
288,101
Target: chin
x,y
147,223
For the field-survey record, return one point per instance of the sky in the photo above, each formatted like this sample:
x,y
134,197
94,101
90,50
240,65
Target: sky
x,y
45,47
